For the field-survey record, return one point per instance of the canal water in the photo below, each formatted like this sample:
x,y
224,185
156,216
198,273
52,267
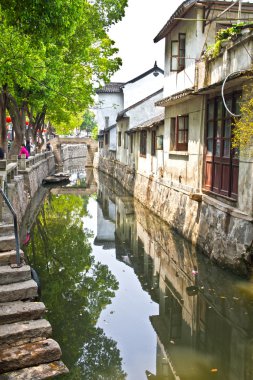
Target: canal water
x,y
127,297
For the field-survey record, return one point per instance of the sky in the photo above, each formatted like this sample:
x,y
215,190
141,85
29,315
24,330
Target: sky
x,y
135,33
134,36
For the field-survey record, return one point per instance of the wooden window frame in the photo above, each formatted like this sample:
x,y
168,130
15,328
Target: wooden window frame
x,y
131,143
125,140
221,166
153,142
181,51
119,138
182,146
143,143
180,56
159,142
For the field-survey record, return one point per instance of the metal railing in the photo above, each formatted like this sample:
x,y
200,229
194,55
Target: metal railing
x,y
15,222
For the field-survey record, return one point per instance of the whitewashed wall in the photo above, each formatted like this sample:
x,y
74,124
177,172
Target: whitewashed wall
x,y
138,90
108,105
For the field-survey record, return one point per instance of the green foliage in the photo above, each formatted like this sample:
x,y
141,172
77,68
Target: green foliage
x,y
89,122
74,287
229,33
54,54
94,133
243,126
213,50
223,35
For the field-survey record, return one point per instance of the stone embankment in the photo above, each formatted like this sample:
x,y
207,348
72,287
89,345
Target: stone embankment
x,y
26,350
221,231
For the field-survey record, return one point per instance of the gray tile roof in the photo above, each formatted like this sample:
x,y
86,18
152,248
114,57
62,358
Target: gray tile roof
x,y
186,5
110,88
153,122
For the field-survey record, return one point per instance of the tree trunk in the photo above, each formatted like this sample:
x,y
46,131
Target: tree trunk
x,y
38,128
3,132
14,111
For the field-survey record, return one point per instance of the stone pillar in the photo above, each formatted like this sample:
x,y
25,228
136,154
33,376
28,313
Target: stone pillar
x,y
22,162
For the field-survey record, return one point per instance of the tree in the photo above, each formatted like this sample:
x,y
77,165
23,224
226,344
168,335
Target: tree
x,y
54,55
89,122
243,125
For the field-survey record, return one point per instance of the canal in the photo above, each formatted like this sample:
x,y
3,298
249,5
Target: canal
x,y
127,297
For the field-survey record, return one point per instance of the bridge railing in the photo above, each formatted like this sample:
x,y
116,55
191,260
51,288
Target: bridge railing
x,y
11,167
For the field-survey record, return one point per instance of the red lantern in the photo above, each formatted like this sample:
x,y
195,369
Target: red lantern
x,y
27,123
8,119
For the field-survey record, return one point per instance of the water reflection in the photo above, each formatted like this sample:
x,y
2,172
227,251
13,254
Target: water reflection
x,y
205,314
203,324
74,288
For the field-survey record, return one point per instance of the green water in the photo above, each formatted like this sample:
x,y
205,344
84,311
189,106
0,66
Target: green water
x,y
129,299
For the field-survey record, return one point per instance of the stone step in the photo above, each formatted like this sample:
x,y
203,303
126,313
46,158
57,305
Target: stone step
x,y
10,274
24,332
40,372
6,229
9,257
12,312
7,243
19,291
28,355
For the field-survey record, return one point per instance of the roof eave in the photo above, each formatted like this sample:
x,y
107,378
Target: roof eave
x,y
180,11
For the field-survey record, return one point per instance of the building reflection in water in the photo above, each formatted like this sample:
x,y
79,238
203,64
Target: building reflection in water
x,y
204,326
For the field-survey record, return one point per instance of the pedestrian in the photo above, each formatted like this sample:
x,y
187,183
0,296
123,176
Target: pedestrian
x,y
1,153
28,147
48,147
23,150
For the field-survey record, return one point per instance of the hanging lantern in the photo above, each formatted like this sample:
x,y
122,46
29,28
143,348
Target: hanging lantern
x,y
27,123
8,119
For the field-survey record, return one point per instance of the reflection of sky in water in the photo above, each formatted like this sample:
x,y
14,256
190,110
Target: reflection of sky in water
x,y
126,320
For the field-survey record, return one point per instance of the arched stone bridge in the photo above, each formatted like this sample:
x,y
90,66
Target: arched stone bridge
x,y
92,147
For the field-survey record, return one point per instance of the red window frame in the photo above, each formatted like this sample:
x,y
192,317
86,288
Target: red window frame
x,y
180,132
221,161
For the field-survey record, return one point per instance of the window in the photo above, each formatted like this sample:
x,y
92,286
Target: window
x,y
153,142
179,133
159,142
178,53
106,138
125,141
221,161
119,138
131,143
143,143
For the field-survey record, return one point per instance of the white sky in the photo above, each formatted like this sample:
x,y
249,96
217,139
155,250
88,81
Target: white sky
x,y
135,33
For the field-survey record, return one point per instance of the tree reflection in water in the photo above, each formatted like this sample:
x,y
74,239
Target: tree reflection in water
x,y
74,288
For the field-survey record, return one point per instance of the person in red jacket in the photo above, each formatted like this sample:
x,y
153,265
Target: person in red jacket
x,y
23,150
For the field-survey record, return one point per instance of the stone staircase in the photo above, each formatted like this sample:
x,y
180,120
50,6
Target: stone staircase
x,y
26,350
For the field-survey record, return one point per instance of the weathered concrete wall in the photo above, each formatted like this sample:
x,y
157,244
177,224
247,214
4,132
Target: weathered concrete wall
x,y
222,232
24,186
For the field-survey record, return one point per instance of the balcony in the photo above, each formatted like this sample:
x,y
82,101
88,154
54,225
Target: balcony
x,y
235,57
